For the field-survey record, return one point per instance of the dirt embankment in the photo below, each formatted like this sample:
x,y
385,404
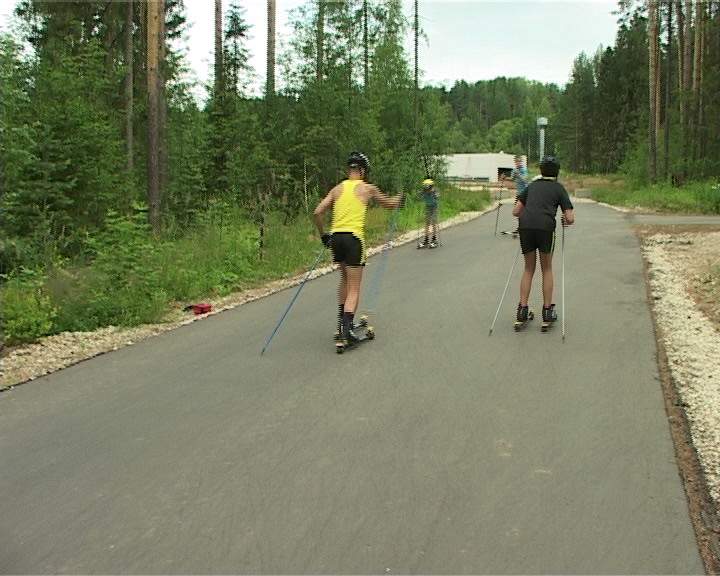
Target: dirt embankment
x,y
683,268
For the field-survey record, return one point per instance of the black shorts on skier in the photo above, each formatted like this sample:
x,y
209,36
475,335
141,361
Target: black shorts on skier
x,y
349,202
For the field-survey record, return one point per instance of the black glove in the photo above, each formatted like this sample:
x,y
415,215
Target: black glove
x,y
326,240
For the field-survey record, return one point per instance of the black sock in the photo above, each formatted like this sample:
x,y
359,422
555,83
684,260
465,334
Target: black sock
x,y
341,309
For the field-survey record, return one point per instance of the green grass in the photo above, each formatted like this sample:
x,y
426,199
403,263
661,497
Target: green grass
x,y
694,198
135,279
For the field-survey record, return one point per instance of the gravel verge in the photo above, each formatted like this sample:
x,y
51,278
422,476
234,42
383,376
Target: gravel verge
x,y
690,337
52,353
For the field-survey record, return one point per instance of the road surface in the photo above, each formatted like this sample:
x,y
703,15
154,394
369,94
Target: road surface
x,y
433,449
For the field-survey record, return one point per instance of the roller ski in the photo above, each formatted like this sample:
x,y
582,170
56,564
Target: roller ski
x,y
352,335
363,324
549,317
427,243
524,315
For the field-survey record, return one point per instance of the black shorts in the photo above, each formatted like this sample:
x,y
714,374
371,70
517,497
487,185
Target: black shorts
x,y
347,249
541,240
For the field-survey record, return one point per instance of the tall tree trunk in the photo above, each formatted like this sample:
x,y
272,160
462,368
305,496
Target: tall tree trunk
x,y
687,85
416,32
162,107
320,40
652,84
110,20
155,13
270,82
697,77
366,48
701,26
680,62
668,84
218,50
129,100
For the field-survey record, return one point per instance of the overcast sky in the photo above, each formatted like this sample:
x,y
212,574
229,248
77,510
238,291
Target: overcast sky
x,y
466,39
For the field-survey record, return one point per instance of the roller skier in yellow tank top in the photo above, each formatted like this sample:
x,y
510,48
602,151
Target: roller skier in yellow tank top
x,y
349,202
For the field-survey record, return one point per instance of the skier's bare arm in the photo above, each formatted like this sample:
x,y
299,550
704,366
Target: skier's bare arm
x,y
383,199
324,205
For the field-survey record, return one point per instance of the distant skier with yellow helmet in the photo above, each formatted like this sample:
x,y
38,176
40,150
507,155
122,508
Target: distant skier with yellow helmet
x,y
430,197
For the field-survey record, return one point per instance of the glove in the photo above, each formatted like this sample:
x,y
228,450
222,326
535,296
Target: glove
x,y
326,240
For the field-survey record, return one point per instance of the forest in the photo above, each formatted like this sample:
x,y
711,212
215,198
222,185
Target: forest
x,y
123,194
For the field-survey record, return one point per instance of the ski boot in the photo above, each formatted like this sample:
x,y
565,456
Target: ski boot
x,y
433,243
348,338
523,316
423,243
548,317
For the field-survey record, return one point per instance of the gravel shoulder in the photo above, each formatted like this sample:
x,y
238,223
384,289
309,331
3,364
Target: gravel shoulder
x,y
683,269
24,363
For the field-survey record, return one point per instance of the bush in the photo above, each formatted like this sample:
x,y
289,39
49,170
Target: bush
x,y
27,312
122,287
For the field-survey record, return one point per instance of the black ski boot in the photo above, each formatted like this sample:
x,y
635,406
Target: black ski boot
x,y
347,338
348,329
423,243
433,243
549,316
523,316
341,309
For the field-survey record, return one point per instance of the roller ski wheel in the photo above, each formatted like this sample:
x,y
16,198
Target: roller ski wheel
x,y
520,324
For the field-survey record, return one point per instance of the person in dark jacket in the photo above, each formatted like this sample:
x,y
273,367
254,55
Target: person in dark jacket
x,y
536,209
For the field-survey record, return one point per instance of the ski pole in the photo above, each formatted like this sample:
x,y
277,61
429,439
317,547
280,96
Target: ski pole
x,y
562,283
517,255
497,213
374,285
297,293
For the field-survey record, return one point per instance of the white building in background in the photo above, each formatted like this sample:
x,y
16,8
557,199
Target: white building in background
x,y
479,167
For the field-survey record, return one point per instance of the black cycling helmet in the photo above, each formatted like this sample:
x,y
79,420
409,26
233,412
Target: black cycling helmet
x,y
550,167
359,160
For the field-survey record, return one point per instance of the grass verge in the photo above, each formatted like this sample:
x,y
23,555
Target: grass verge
x,y
694,198
134,279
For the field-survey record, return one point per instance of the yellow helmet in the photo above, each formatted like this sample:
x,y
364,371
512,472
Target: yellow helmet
x,y
428,182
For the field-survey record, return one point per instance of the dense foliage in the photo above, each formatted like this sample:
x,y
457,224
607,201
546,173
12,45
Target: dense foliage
x,y
76,250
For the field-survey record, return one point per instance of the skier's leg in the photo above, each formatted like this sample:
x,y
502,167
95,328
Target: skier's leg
x,y
342,294
547,278
354,279
527,277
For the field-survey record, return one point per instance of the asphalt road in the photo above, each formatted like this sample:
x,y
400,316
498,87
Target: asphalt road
x,y
433,449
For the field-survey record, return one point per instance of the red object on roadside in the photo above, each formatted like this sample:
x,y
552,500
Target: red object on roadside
x,y
202,308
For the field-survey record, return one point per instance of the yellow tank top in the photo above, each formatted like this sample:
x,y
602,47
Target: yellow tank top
x,y
349,211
